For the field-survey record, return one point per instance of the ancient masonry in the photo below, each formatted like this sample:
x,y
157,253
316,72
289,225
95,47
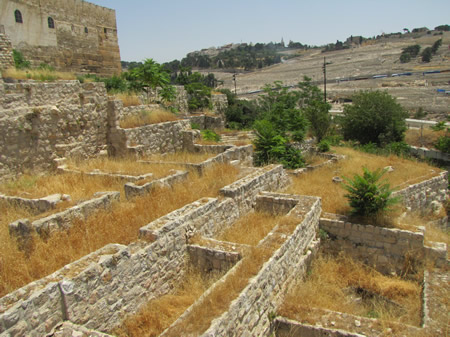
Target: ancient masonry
x,y
44,122
74,35
6,58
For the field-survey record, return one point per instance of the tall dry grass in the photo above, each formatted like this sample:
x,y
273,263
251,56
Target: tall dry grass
x,y
38,74
160,313
128,98
250,229
118,225
333,284
179,157
224,292
319,182
125,165
147,117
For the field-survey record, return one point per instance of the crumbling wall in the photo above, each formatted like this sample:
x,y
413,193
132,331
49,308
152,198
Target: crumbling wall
x,y
6,57
43,121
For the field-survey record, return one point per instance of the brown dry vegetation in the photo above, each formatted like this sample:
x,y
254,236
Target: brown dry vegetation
x,y
128,98
423,138
319,182
37,74
160,313
147,117
250,229
179,157
332,283
118,225
225,291
128,166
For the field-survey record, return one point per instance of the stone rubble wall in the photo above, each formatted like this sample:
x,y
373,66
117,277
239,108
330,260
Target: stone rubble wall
x,y
6,56
68,329
276,203
43,121
38,205
132,190
62,221
97,173
219,103
36,308
426,194
208,259
387,249
288,328
423,152
248,315
245,190
208,122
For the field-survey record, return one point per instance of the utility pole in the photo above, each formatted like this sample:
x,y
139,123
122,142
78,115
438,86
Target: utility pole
x,y
324,67
234,79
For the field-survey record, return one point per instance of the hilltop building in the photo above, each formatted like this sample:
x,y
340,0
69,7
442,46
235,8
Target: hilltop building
x,y
70,35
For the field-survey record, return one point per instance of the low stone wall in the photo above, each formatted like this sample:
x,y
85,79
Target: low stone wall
x,y
245,190
208,259
275,203
208,122
23,229
97,173
68,329
38,205
332,159
423,152
132,190
248,315
288,328
389,250
426,195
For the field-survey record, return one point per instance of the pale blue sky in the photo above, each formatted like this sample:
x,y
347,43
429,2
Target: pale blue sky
x,y
168,29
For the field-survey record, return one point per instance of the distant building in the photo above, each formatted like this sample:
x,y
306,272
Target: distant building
x,y
71,35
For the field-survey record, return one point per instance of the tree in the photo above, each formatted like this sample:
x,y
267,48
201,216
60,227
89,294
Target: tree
x,y
315,109
374,117
150,75
427,54
367,195
436,46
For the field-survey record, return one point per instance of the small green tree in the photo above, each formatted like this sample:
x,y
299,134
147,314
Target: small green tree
x,y
427,54
374,117
199,96
368,195
436,46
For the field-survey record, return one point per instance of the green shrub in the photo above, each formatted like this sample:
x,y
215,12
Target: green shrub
x,y
438,126
199,96
443,144
19,60
195,126
210,135
427,54
323,146
367,195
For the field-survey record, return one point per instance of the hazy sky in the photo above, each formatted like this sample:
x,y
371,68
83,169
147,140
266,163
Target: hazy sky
x,y
169,29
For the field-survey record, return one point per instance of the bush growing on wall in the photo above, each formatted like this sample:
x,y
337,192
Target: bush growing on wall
x,y
19,60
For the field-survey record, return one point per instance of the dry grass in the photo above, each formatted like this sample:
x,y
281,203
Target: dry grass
x,y
160,313
250,229
333,285
423,138
118,225
147,117
125,165
319,182
78,186
128,98
219,299
38,74
180,157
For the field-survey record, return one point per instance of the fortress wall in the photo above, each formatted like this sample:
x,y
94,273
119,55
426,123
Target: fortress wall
x,y
43,121
83,40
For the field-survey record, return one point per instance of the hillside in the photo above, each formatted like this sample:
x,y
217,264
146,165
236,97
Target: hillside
x,y
375,57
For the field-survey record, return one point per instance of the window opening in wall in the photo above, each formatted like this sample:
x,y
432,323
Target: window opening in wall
x,y
18,16
86,30
105,30
51,23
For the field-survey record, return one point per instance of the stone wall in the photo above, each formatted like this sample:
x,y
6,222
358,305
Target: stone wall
x,y
6,57
43,121
426,195
83,39
389,250
220,103
248,315
132,190
423,152
245,190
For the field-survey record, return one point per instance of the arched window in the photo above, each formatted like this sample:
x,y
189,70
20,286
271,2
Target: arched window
x,y
18,16
51,23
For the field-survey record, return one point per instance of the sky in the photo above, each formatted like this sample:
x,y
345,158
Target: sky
x,y
166,30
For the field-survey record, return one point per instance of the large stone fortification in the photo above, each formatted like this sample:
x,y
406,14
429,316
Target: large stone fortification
x,y
69,35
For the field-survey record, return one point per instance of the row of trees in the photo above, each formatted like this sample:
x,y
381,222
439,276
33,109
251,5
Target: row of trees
x,y
413,51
